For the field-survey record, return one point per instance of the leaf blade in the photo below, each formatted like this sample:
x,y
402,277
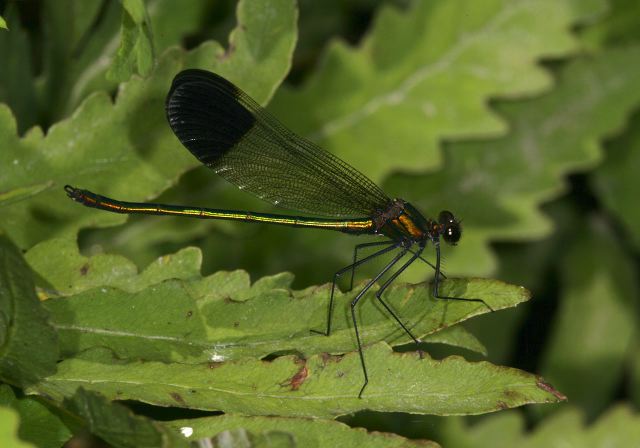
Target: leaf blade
x,y
321,387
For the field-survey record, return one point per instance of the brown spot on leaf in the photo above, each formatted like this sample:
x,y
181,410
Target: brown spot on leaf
x,y
327,358
189,313
512,395
214,365
177,397
549,388
502,405
297,379
84,269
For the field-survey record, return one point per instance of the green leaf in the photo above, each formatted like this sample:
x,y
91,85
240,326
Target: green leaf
x,y
171,22
3,24
242,437
8,429
457,336
619,26
16,79
59,263
28,344
126,149
222,317
117,425
307,432
635,374
425,74
321,386
492,164
75,49
618,427
552,134
597,313
616,181
39,424
136,52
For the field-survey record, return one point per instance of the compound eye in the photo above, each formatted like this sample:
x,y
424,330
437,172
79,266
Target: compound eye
x,y
452,233
446,217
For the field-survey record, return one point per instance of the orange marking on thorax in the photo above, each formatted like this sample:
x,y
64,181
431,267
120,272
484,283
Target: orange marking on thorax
x,y
408,224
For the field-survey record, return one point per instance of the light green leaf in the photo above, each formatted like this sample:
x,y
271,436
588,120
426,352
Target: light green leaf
x,y
117,425
3,24
171,21
618,427
321,386
136,52
136,10
28,344
242,437
307,432
9,421
497,185
60,264
425,74
597,313
457,336
616,181
126,149
39,424
221,318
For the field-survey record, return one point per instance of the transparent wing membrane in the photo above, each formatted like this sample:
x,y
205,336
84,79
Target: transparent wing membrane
x,y
233,135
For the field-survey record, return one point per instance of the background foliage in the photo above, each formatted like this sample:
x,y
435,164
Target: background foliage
x,y
519,116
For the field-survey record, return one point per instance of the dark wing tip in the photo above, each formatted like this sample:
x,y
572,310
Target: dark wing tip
x,y
207,113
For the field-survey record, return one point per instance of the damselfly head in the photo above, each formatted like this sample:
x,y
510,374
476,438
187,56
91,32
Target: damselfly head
x,y
450,227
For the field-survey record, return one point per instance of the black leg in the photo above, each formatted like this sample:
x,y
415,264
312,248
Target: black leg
x,y
388,282
338,274
436,283
355,256
353,312
429,263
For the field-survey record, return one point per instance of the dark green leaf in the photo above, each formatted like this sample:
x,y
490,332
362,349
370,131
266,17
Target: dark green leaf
x,y
616,181
16,78
618,27
28,344
594,327
117,425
